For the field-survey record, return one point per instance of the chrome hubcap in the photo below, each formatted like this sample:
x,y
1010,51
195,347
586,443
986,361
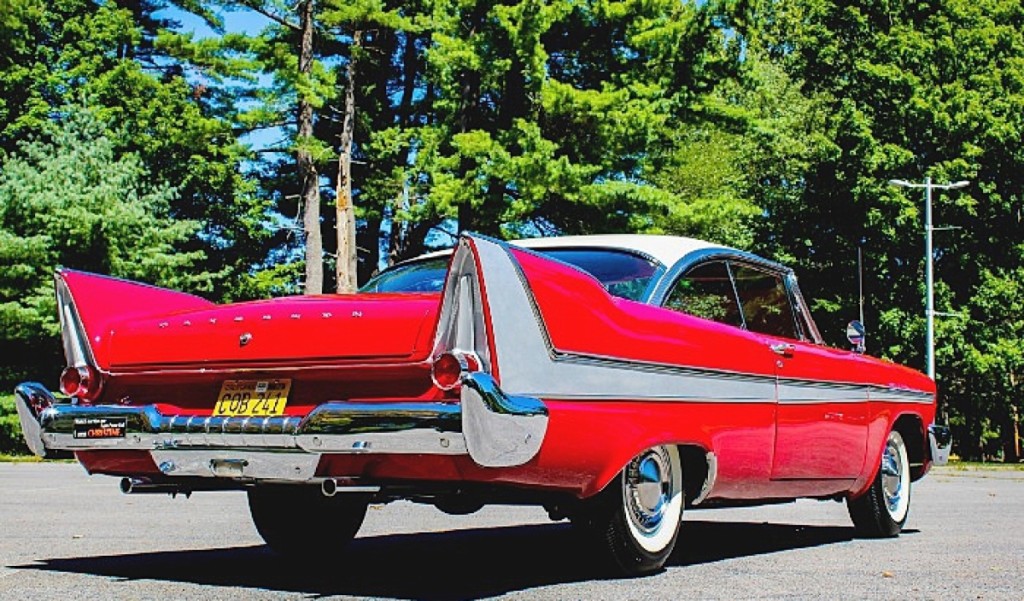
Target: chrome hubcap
x,y
648,489
892,477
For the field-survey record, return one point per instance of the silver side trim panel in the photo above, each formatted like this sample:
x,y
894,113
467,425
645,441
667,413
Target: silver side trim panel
x,y
900,395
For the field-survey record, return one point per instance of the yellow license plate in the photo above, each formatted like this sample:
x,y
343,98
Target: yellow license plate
x,y
252,398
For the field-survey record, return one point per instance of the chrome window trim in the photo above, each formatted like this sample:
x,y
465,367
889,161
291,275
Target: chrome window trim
x,y
659,268
549,253
801,313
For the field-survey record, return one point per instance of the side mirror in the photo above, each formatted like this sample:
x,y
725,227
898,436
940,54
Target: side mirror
x,y
855,334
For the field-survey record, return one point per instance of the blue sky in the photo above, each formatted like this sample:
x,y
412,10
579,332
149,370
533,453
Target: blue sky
x,y
235,21
240,21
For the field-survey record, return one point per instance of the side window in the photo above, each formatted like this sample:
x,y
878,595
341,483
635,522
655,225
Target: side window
x,y
765,302
706,291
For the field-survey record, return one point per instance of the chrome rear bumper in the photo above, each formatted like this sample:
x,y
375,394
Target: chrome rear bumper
x,y
494,429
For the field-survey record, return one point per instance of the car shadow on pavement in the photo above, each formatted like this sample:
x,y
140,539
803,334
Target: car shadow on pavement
x,y
457,564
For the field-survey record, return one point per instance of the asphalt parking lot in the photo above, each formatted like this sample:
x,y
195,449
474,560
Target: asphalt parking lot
x,y
65,535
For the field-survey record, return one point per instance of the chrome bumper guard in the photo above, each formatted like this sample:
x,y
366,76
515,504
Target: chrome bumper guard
x,y
940,441
494,429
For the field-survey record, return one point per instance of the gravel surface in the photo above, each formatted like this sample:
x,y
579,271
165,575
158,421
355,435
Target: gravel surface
x,y
68,536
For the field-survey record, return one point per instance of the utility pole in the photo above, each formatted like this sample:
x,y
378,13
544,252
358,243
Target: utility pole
x,y
929,260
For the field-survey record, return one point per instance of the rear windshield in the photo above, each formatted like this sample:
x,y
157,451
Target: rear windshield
x,y
622,273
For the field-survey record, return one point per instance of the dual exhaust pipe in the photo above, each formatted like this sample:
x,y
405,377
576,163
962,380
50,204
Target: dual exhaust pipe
x,y
138,486
332,486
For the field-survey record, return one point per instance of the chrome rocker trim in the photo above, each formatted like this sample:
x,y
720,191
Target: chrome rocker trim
x,y
494,429
940,442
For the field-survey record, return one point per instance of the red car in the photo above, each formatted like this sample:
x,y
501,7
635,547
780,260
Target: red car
x,y
613,380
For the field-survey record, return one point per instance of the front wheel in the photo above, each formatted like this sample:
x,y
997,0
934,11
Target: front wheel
x,y
882,510
636,519
299,521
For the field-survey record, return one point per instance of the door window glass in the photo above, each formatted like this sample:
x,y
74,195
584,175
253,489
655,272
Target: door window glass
x,y
706,291
765,302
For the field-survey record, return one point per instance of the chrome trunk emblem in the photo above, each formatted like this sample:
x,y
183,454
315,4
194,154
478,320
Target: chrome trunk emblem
x,y
244,339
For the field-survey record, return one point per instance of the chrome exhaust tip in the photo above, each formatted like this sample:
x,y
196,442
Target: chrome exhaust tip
x,y
329,487
139,486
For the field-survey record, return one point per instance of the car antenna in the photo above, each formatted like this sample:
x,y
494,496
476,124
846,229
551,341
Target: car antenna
x,y
860,283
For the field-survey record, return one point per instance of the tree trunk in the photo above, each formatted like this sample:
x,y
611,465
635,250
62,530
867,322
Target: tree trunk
x,y
398,238
347,262
308,175
1016,435
369,240
469,111
1012,453
410,66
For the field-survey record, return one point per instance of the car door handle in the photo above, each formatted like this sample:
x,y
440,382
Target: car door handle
x,y
784,349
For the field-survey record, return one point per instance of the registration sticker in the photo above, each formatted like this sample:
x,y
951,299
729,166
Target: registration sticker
x,y
100,427
252,398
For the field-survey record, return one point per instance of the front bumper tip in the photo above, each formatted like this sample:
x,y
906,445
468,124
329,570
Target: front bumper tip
x,y
940,442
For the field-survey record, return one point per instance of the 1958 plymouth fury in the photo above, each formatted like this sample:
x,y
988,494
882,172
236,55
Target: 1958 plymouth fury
x,y
613,380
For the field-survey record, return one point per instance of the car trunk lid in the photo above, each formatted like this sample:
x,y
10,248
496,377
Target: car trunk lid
x,y
297,331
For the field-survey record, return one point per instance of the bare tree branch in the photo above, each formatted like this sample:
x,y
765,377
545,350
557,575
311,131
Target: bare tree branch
x,y
255,6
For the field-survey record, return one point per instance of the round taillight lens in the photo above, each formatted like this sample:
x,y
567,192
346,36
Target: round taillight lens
x,y
82,382
448,368
446,371
70,381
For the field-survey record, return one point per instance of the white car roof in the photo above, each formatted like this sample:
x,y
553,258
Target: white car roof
x,y
665,249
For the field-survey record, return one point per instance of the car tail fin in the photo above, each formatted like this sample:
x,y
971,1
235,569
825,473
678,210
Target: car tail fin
x,y
489,311
463,328
89,304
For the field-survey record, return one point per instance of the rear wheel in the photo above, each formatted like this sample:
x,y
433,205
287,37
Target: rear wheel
x,y
882,510
636,519
300,521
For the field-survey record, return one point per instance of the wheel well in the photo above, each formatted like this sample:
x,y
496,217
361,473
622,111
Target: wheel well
x,y
695,470
911,429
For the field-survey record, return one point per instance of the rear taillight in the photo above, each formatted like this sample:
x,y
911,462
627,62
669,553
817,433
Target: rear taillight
x,y
448,368
82,382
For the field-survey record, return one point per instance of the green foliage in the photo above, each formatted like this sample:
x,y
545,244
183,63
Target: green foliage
x,y
11,441
907,91
98,54
67,200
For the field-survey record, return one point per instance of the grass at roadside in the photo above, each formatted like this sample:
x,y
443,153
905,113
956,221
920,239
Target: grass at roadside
x,y
7,458
985,465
